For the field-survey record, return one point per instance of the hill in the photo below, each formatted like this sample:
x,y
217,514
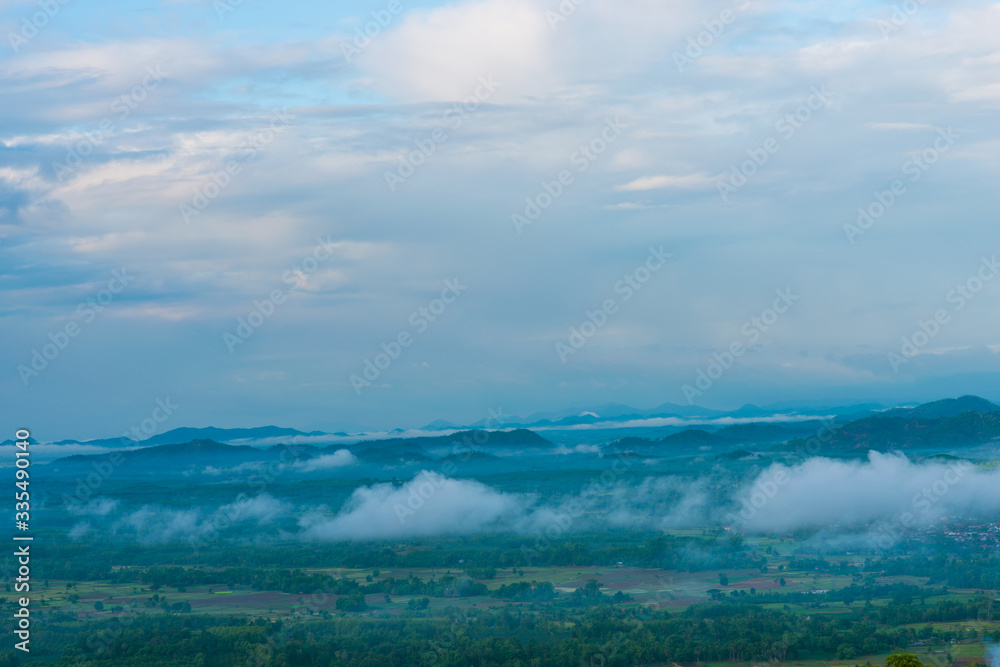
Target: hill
x,y
969,428
182,435
161,459
949,407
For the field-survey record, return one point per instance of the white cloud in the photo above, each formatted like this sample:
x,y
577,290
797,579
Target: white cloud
x,y
249,466
78,531
611,57
158,524
535,49
825,492
154,523
819,492
96,507
900,126
430,504
339,459
441,53
687,181
262,508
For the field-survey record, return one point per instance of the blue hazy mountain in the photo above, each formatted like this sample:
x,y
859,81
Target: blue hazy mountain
x,y
179,435
881,426
949,407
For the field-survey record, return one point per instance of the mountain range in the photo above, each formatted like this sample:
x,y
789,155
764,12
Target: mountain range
x,y
610,415
951,423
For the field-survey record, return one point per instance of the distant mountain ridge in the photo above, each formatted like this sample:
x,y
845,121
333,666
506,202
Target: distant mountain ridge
x,y
949,407
227,434
949,423
189,434
209,452
953,422
611,414
753,433
968,428
616,413
476,439
860,425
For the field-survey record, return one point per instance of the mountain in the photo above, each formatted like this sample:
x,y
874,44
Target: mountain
x,y
181,435
111,443
691,438
11,443
761,433
161,459
394,453
949,407
439,425
469,457
184,435
671,410
466,440
949,422
969,428
199,453
493,439
610,414
737,434
616,413
620,413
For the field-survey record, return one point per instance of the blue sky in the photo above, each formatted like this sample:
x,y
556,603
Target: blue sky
x,y
270,152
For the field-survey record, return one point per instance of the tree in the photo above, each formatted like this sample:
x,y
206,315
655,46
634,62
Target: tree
x,y
99,606
781,581
903,660
723,579
353,602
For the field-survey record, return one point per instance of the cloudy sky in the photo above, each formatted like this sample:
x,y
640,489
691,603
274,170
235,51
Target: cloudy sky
x,y
238,206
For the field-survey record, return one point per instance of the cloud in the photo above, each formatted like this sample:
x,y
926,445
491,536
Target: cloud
x,y
688,181
78,531
993,655
339,459
354,121
655,503
441,53
884,487
158,524
831,495
249,466
631,206
428,505
900,126
262,508
657,422
154,523
819,493
96,507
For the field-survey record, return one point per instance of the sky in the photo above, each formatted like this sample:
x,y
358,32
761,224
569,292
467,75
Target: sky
x,y
361,215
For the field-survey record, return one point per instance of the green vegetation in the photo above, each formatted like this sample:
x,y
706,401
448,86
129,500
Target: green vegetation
x,y
477,601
